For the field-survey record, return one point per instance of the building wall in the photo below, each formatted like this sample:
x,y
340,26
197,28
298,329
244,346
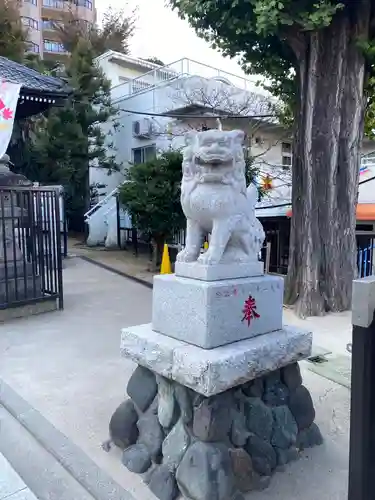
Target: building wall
x,y
118,75
30,15
34,12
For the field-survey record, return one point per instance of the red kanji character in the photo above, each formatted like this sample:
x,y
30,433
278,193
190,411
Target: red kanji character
x,y
249,310
7,114
2,105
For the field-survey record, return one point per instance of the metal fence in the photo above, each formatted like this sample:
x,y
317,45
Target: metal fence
x,y
365,258
30,246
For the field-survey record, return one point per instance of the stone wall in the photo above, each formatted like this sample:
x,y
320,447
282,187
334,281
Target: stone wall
x,y
217,447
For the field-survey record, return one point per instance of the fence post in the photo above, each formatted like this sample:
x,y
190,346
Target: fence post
x,y
118,222
362,417
268,257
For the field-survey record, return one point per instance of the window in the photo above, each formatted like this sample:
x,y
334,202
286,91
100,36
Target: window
x,y
33,47
287,161
52,46
286,148
30,22
259,141
34,2
286,154
48,24
54,4
85,3
141,155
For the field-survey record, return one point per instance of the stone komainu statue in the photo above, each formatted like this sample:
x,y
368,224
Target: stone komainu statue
x,y
215,200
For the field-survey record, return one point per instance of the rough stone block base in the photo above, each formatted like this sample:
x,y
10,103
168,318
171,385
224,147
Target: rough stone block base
x,y
216,313
214,447
209,372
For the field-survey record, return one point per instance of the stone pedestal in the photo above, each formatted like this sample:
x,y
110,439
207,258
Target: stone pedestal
x,y
223,271
212,313
215,447
213,423
212,371
217,402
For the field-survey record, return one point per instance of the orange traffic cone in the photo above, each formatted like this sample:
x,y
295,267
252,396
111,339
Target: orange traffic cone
x,y
165,267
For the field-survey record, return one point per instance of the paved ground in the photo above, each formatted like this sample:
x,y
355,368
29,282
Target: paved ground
x,y
11,485
120,260
67,365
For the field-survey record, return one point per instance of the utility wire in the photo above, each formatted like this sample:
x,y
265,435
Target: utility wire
x,y
223,116
174,115
289,204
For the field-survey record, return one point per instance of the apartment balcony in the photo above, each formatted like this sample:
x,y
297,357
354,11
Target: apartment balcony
x,y
82,9
184,68
186,86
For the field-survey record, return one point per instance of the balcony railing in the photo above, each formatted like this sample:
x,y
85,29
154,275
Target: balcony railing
x,y
182,67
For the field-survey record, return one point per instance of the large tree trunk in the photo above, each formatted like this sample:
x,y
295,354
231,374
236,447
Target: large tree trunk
x,y
322,259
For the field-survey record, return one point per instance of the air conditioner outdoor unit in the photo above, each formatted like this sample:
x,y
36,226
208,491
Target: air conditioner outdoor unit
x,y
142,128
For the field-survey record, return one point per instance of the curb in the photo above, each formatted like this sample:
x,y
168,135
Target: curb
x,y
97,482
140,281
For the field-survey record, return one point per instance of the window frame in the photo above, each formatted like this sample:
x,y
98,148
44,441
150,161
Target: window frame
x,y
286,148
50,21
54,42
144,157
53,4
286,154
87,4
34,24
34,46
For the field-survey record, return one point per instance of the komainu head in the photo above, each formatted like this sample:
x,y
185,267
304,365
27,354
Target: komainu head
x,y
214,155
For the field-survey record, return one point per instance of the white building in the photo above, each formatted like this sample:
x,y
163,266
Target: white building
x,y
143,91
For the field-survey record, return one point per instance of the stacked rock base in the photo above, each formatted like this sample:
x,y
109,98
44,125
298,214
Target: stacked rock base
x,y
217,447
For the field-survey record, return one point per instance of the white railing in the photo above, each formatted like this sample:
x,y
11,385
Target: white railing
x,y
96,219
178,69
100,203
368,160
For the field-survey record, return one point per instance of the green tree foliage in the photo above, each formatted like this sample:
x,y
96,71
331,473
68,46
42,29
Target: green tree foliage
x,y
260,32
114,32
71,139
13,34
317,57
155,60
151,195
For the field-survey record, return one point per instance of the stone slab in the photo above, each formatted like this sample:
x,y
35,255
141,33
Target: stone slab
x,y
213,371
19,268
22,288
52,465
10,481
211,314
24,311
203,272
363,301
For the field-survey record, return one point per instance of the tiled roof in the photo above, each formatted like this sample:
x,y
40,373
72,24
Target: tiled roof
x,y
30,79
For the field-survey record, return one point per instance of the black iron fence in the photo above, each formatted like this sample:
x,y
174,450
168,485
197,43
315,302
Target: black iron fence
x,y
30,246
365,255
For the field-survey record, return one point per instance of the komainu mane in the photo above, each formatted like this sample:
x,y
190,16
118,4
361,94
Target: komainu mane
x,y
215,200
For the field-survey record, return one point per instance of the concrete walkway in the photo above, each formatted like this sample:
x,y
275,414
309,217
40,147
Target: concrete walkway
x,y
123,261
11,485
67,366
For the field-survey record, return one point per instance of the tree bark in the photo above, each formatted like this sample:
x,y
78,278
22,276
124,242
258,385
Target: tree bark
x,y
322,259
157,251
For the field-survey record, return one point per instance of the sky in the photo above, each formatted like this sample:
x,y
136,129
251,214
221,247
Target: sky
x,y
160,33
